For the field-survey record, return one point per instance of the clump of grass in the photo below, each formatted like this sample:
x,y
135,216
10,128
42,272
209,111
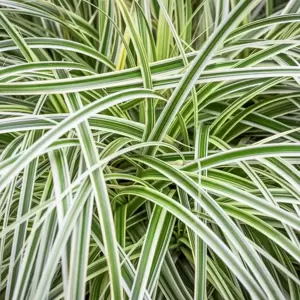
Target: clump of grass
x,y
149,149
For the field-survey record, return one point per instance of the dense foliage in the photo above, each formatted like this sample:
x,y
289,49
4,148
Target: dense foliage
x,y
149,149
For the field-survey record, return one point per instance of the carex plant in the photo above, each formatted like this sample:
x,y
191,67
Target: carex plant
x,y
149,149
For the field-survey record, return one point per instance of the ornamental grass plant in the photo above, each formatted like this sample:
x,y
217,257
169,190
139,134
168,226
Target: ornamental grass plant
x,y
149,149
